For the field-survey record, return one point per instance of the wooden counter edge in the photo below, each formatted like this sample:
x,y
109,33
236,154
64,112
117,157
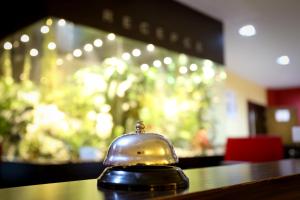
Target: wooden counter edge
x,y
286,187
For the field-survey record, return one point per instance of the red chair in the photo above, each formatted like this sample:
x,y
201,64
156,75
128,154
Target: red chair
x,y
254,149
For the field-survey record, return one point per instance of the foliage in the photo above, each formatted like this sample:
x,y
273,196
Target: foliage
x,y
52,115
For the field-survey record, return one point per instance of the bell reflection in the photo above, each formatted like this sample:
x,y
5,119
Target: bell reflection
x,y
129,195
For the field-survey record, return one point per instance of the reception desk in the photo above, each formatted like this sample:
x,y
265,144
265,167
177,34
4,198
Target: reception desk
x,y
271,180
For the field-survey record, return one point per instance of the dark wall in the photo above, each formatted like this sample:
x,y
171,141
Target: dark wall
x,y
164,23
15,15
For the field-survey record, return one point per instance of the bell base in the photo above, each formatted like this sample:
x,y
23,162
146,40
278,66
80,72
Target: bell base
x,y
146,178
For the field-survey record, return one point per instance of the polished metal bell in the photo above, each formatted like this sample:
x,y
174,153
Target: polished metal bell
x,y
140,148
141,161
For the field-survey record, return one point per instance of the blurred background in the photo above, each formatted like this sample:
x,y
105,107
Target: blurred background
x,y
68,90
72,83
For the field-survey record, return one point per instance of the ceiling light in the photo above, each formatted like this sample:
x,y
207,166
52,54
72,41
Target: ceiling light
x,y
44,29
157,63
7,45
193,67
144,67
51,46
207,63
150,47
88,47
77,53
247,31
98,43
111,36
24,38
136,52
61,22
34,52
49,22
283,60
183,70
167,60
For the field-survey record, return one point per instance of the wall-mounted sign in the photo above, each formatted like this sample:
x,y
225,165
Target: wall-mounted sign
x,y
164,23
282,115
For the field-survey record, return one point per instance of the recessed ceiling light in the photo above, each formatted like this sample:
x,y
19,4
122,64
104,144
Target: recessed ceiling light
x,y
77,53
7,46
98,43
136,52
51,46
88,47
24,38
247,30
111,36
34,52
150,47
283,60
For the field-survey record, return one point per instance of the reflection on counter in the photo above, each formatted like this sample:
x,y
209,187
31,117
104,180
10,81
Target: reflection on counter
x,y
69,90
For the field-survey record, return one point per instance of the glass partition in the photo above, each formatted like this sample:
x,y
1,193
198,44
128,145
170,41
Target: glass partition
x,y
68,90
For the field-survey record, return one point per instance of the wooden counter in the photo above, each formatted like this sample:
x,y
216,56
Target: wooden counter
x,y
273,180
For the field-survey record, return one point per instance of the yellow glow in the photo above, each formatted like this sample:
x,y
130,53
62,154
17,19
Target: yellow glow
x,y
150,47
92,115
162,151
98,43
61,22
24,38
59,61
88,47
16,44
77,53
136,52
7,45
44,29
111,36
44,80
51,46
157,63
47,115
125,106
93,83
49,22
104,125
185,106
170,107
69,57
34,52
